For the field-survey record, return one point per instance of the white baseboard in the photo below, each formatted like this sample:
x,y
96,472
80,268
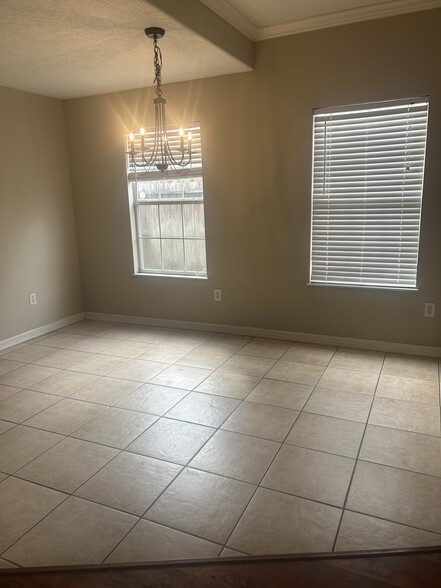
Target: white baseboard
x,y
23,337
391,347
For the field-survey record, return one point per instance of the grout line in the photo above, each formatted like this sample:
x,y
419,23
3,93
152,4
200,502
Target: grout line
x,y
357,458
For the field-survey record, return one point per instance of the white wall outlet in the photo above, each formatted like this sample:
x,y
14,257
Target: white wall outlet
x,y
32,299
429,309
218,295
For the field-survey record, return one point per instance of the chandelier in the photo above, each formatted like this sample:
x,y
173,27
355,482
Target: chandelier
x,y
160,149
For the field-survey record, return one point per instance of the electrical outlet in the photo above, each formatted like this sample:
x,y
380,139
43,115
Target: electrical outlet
x,y
429,309
32,298
218,295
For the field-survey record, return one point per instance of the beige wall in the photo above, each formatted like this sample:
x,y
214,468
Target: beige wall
x,y
38,250
257,155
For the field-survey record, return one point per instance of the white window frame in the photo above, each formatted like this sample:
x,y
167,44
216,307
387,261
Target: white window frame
x,y
184,176
366,194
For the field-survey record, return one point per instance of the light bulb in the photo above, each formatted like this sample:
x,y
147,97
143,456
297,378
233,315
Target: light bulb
x,y
181,132
142,131
190,136
131,136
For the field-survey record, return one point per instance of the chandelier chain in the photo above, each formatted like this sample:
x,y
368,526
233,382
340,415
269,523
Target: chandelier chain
x,y
157,62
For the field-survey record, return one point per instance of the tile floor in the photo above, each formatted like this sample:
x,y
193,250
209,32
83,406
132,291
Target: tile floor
x,y
121,443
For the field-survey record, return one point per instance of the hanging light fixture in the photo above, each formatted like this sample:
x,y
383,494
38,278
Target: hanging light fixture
x,y
161,149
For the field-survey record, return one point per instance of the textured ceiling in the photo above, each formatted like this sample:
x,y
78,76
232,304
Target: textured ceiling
x,y
72,48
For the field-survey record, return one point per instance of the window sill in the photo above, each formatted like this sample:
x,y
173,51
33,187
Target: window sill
x,y
355,287
180,277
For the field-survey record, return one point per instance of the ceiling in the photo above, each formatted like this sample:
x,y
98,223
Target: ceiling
x,y
72,48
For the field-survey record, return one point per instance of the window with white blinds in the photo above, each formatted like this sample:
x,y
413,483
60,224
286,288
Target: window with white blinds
x,y
367,187
167,213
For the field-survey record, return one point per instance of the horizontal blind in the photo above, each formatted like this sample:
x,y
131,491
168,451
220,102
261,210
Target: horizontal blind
x,y
367,184
174,141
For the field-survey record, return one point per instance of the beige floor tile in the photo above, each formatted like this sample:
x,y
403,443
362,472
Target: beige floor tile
x,y
278,523
279,393
204,358
77,532
270,348
248,365
106,390
61,340
87,327
147,335
28,353
151,542
343,405
410,416
20,445
323,433
181,376
64,383
129,482
236,456
301,373
22,505
227,552
174,441
115,427
62,359
260,420
186,339
100,365
227,343
3,476
409,389
346,380
92,344
310,474
228,384
202,504
407,366
6,564
6,365
25,404
7,391
358,359
153,399
27,375
3,352
204,409
120,332
402,449
138,370
67,465
128,349
396,495
164,352
5,426
66,416
359,532
307,353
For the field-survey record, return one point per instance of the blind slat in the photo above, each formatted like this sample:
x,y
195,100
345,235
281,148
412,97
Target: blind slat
x,y
368,171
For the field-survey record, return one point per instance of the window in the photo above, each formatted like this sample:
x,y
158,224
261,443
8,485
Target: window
x,y
167,216
367,187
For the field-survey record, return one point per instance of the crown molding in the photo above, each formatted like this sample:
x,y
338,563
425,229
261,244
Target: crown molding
x,y
393,8
235,18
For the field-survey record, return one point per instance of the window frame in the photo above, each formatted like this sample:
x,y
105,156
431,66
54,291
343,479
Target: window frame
x,y
133,179
355,109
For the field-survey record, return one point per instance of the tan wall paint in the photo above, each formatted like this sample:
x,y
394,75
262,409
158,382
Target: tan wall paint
x,y
38,250
257,155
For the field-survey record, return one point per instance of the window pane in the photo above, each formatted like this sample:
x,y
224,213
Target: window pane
x,y
194,220
171,220
195,256
148,221
150,254
173,252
